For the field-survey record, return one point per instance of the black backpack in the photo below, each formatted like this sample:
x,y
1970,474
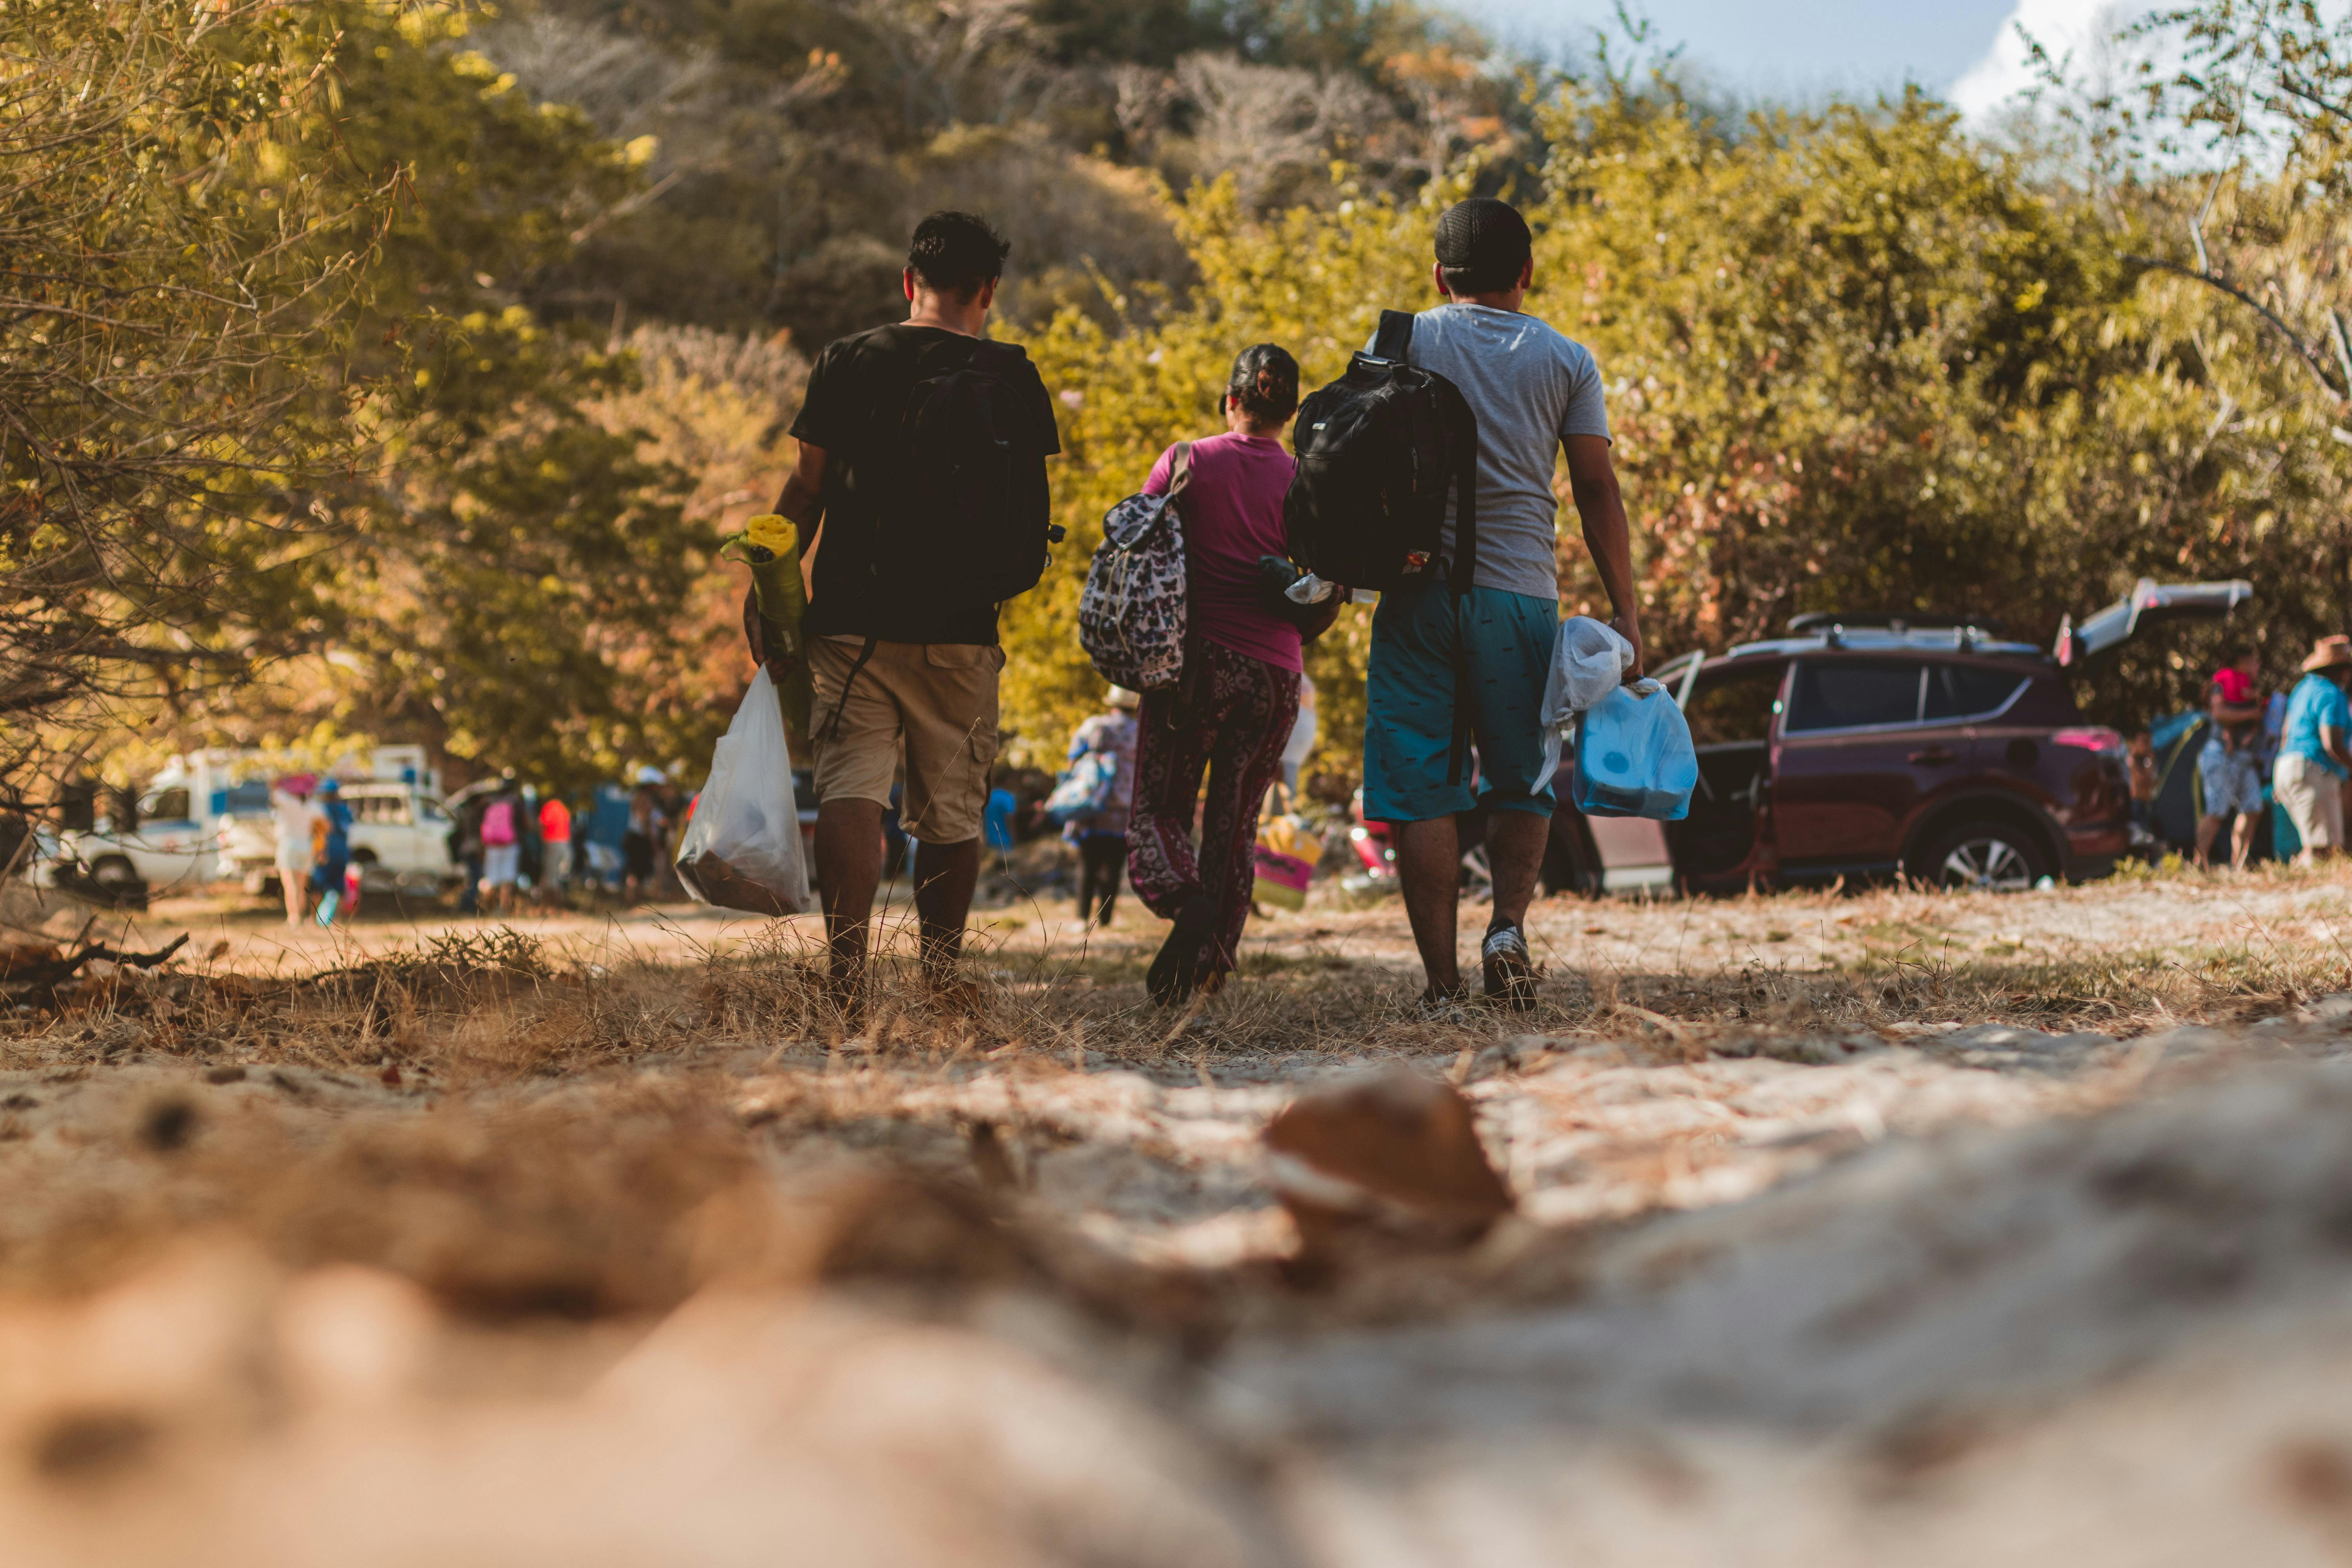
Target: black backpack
x,y
1377,450
965,520
966,517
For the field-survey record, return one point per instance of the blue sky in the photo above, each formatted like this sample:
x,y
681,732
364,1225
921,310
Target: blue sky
x,y
1966,49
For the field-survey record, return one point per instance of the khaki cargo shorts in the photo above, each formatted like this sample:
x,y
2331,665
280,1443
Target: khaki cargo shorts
x,y
2314,798
932,705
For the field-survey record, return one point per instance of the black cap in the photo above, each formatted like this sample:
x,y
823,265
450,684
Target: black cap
x,y
1485,243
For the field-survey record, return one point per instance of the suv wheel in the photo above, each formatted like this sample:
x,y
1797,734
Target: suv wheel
x,y
114,872
1982,857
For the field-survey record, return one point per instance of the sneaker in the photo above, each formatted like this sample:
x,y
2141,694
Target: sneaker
x,y
1510,973
1435,1006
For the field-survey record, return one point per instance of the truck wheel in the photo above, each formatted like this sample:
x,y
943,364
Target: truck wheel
x,y
1982,856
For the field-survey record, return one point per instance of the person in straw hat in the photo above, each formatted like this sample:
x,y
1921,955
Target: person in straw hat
x,y
2313,761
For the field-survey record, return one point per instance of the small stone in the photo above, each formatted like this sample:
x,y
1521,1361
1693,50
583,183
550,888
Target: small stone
x,y
1396,1155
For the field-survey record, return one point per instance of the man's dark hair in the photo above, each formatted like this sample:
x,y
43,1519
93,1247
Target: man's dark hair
x,y
1266,378
1483,245
955,253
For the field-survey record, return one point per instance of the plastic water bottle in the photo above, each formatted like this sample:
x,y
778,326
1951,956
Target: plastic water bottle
x,y
1635,756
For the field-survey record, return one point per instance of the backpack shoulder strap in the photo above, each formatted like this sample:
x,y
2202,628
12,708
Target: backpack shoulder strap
x,y
833,725
1462,572
1465,419
1394,342
1180,470
992,358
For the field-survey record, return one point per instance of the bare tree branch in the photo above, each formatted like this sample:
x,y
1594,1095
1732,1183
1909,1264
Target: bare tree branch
x,y
2306,352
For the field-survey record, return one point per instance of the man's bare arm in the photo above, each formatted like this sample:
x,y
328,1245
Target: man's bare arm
x,y
2331,741
2230,717
1592,481
802,499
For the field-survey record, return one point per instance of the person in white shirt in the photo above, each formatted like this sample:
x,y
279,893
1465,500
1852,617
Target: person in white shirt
x,y
1301,744
292,815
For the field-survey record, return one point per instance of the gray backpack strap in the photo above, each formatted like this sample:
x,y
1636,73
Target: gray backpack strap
x,y
1180,470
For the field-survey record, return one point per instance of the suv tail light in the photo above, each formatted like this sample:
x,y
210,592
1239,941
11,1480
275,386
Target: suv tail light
x,y
2090,737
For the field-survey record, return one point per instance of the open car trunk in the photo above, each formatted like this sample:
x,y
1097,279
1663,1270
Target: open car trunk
x,y
2147,605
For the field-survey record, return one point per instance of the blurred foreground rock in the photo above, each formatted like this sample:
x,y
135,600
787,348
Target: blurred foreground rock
x,y
1389,1159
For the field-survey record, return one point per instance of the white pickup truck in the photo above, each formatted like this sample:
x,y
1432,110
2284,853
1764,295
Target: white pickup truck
x,y
400,840
169,849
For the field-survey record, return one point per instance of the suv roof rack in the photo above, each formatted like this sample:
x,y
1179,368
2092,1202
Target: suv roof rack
x,y
1838,636
1892,621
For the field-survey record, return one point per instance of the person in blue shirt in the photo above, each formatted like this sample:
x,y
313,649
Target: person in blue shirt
x,y
996,823
334,854
608,828
2314,762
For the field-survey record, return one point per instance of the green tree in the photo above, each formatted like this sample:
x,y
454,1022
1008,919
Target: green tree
x,y
169,285
1852,360
508,566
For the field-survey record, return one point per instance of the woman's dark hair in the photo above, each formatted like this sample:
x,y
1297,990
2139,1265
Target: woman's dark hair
x,y
1266,378
955,253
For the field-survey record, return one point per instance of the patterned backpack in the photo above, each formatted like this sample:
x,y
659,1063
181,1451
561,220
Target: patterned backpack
x,y
1131,615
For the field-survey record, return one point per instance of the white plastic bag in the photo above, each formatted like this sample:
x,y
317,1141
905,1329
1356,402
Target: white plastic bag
x,y
742,849
1589,662
1309,590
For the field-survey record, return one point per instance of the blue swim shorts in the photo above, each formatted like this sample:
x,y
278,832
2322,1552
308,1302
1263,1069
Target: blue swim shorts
x,y
2233,780
1410,702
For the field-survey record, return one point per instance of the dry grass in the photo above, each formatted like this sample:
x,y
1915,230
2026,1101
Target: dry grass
x,y
490,1005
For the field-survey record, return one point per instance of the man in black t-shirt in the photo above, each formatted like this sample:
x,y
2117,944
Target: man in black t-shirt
x,y
903,664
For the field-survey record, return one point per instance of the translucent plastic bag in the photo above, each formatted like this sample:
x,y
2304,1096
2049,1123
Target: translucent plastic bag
x,y
1633,755
742,848
1589,660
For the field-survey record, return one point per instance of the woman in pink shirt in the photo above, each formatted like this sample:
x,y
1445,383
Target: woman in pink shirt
x,y
1231,713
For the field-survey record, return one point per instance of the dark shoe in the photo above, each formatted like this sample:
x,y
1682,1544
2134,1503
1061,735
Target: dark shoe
x,y
1510,973
1177,969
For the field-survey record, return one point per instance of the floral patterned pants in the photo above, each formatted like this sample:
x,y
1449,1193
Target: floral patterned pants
x,y
1229,719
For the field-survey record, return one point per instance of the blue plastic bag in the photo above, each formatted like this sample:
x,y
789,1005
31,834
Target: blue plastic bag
x,y
1634,757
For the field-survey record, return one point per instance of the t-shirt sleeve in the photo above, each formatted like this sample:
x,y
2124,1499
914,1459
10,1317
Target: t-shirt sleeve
x,y
824,414
1157,485
2334,707
1048,434
1587,413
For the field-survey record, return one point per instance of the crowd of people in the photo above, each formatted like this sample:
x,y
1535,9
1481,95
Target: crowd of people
x,y
2293,741
904,667
506,840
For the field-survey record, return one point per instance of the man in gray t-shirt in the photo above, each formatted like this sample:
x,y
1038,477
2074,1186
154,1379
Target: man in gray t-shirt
x,y
1533,391
1537,395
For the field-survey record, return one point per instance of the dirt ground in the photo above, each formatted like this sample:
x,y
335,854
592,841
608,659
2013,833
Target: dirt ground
x,y
1844,1228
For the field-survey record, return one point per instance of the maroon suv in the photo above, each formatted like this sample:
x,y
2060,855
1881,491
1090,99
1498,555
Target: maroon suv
x,y
1858,751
